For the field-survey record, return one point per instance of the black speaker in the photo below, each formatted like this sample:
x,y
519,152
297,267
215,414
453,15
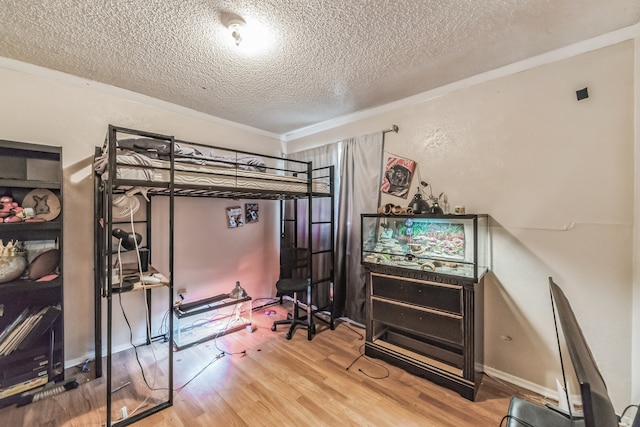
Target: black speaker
x,y
582,94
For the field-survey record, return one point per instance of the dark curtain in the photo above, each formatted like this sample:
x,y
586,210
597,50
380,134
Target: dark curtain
x,y
357,185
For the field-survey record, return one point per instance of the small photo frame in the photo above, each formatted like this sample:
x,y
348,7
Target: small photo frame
x,y
235,217
398,173
251,212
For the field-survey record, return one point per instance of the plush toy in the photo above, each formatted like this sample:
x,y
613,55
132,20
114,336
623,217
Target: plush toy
x,y
11,211
6,204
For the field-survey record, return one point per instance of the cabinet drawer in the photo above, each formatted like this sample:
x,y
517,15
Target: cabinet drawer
x,y
437,296
443,326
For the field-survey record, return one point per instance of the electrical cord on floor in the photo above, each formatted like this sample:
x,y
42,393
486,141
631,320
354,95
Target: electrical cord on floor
x,y
126,319
360,336
164,327
211,362
215,339
164,324
348,322
219,355
135,347
363,356
511,417
230,353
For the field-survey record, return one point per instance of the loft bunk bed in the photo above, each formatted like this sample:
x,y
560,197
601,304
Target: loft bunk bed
x,y
134,162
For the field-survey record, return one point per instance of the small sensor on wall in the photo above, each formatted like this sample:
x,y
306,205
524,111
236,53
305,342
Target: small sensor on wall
x,y
582,94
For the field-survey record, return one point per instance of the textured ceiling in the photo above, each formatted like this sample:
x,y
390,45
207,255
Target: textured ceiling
x,y
322,58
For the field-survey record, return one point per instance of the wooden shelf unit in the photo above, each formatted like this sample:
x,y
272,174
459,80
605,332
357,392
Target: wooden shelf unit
x,y
25,167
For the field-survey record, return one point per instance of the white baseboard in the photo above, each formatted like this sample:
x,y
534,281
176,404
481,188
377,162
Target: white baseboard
x,y
547,393
91,355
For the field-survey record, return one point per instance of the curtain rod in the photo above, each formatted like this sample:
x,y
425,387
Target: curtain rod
x,y
394,128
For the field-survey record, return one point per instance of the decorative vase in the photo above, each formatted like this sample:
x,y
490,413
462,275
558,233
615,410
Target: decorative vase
x,y
418,204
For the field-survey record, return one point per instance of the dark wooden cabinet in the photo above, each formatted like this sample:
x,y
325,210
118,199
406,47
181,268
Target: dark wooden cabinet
x,y
429,325
31,304
425,295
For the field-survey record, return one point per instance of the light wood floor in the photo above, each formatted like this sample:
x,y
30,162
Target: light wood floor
x,y
276,383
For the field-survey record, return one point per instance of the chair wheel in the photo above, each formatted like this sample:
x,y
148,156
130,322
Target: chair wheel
x,y
288,335
273,328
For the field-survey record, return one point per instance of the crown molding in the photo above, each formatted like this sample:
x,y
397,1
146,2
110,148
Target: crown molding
x,y
72,80
609,39
624,34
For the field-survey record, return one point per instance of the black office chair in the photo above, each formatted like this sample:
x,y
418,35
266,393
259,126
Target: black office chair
x,y
293,281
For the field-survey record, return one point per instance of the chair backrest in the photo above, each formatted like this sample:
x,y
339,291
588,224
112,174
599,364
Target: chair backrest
x,y
293,263
596,404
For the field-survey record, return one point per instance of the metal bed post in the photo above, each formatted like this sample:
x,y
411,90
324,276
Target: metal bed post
x,y
98,209
171,272
311,329
109,291
333,248
103,206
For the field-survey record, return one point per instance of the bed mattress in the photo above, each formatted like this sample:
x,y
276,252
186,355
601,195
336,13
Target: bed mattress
x,y
133,166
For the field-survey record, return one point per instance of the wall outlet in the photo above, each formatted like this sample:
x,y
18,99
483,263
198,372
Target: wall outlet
x,y
181,291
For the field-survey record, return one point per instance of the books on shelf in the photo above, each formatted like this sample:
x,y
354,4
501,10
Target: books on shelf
x,y
9,329
45,319
24,370
27,328
24,386
21,378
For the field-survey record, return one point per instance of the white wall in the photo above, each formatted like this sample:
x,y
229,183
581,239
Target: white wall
x,y
50,108
557,178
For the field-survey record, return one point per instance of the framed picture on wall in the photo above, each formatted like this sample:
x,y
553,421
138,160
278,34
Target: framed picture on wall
x,y
251,212
398,173
235,217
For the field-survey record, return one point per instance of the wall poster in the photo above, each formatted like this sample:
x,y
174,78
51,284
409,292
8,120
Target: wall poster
x,y
235,217
398,173
251,212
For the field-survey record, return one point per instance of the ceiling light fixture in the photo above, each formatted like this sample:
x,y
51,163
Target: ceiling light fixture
x,y
235,26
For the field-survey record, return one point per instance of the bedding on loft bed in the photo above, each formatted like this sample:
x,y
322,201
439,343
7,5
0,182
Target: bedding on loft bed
x,y
148,160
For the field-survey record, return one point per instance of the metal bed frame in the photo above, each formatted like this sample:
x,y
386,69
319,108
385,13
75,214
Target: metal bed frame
x,y
106,189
